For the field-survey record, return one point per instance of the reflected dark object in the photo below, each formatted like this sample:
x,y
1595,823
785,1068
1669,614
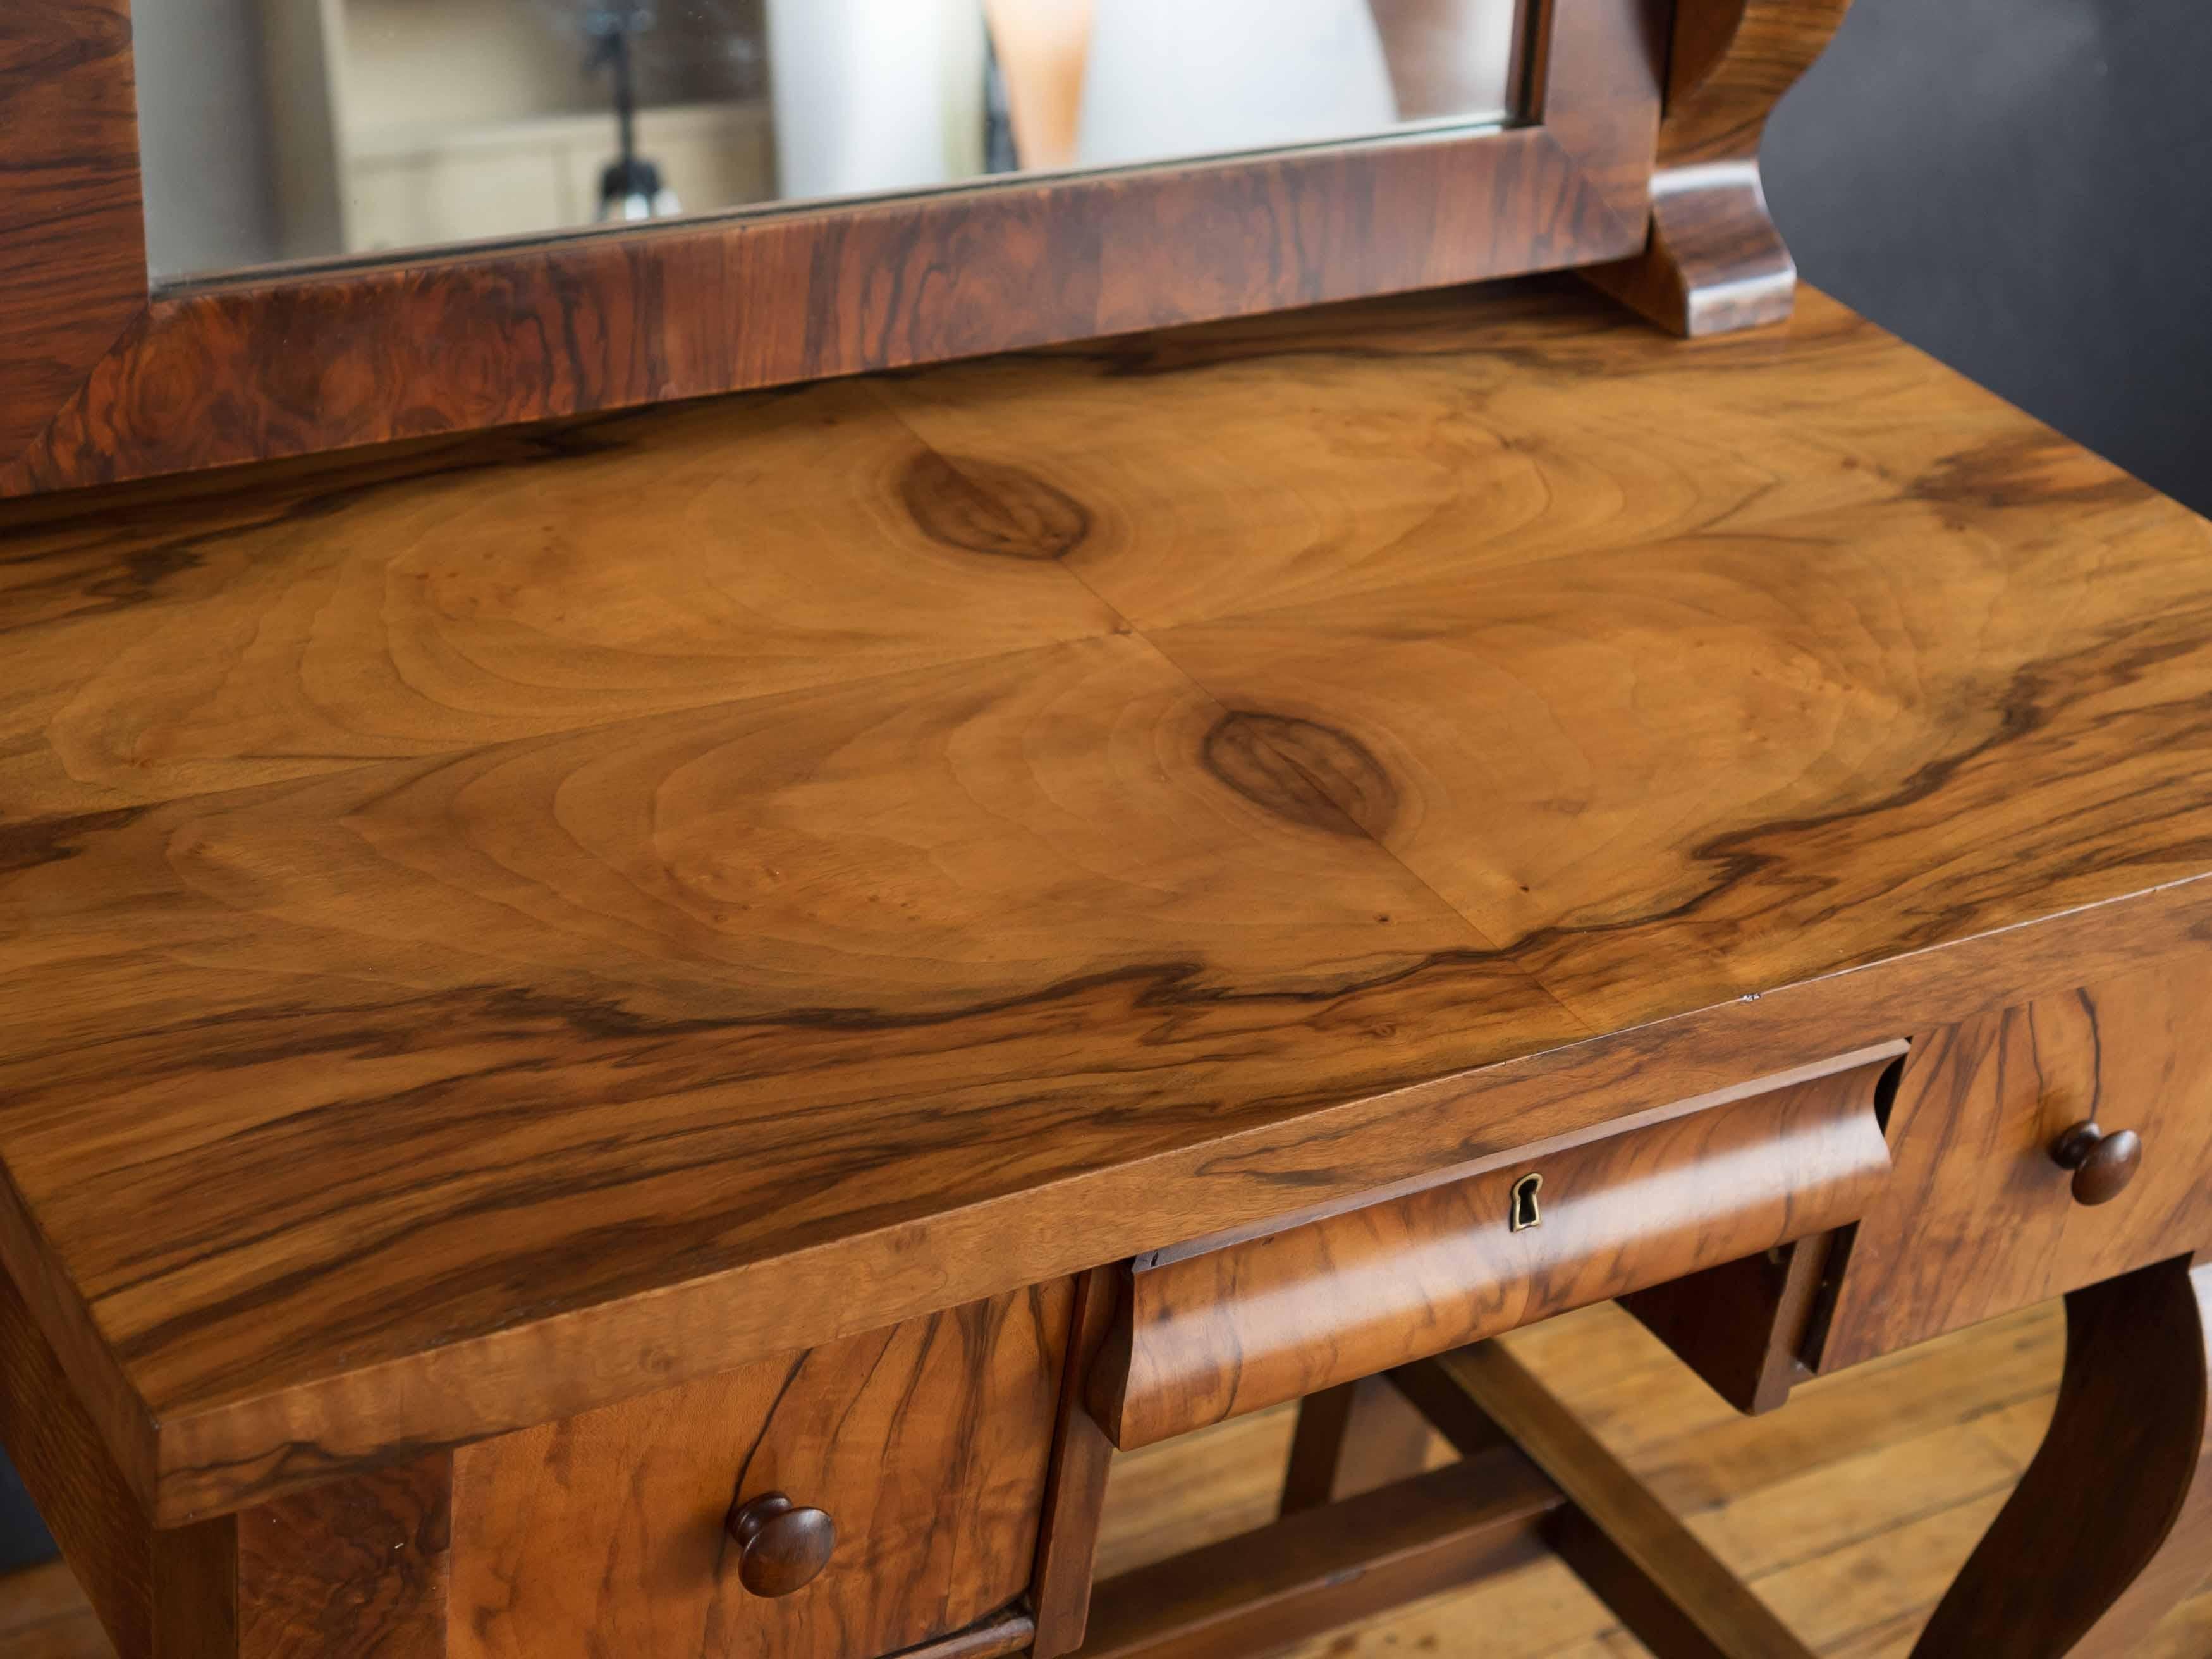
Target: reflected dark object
x,y
397,124
631,186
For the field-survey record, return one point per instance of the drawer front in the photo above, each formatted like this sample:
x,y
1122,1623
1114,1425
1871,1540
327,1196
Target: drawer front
x,y
1206,1336
1979,1219
925,1444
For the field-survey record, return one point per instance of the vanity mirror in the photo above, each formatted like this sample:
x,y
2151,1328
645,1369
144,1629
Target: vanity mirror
x,y
358,127
269,227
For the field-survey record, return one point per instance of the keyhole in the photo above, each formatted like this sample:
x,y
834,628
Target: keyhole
x,y
1525,1212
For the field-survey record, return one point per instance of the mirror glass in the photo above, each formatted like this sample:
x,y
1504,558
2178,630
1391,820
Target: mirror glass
x,y
285,129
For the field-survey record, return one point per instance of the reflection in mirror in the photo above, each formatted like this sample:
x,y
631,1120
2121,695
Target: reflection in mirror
x,y
275,130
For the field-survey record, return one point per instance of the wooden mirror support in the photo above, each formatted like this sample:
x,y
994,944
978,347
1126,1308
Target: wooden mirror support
x,y
1715,261
106,377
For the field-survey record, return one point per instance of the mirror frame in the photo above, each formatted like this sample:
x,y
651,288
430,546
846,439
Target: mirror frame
x,y
109,378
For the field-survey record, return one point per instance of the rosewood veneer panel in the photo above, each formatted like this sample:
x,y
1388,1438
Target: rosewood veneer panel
x,y
511,975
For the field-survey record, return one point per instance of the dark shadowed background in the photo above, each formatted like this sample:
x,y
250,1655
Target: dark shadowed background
x,y
2024,189
2021,187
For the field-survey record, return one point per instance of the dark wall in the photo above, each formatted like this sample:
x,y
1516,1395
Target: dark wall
x,y
2024,189
22,1539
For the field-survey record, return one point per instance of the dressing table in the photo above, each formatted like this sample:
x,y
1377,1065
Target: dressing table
x,y
649,1027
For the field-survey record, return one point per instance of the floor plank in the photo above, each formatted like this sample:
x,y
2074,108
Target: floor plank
x,y
1848,1510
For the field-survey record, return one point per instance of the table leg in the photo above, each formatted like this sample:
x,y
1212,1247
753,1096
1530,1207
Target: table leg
x,y
2111,1524
1351,1439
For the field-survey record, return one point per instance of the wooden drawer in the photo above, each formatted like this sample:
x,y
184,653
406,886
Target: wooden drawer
x,y
1204,1336
1978,1218
927,1445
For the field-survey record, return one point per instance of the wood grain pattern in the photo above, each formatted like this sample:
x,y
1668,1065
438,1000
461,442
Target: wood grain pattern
x,y
1075,1491
1210,1336
87,1504
1977,1109
1715,261
926,1444
72,234
1848,1513
289,635
487,1062
289,365
2109,1527
355,1570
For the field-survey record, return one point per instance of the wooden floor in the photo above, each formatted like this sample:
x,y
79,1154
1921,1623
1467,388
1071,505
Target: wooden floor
x,y
1849,1510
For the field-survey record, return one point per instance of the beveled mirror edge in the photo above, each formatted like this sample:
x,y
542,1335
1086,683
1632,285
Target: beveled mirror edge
x,y
109,380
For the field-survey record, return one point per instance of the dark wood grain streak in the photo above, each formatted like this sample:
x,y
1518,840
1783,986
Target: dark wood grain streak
x,y
590,907
1205,1337
926,1444
354,1570
2109,1526
979,506
1716,261
1978,1107
360,1569
296,364
72,236
1303,771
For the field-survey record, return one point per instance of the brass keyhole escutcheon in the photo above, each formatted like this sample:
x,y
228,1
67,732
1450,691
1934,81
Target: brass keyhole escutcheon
x,y
1526,1212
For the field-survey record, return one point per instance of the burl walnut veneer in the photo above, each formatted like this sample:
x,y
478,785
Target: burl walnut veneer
x,y
601,1028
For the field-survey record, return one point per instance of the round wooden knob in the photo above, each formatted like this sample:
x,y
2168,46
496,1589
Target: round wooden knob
x,y
2103,1164
780,1547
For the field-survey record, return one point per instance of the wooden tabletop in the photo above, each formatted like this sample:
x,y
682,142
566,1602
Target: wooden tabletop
x,y
519,923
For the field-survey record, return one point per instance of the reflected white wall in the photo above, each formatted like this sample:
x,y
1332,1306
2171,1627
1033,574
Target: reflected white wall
x,y
876,94
1197,77
202,135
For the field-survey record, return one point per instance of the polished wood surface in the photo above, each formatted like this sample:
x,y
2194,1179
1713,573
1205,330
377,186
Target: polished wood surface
x,y
1714,260
782,1546
1849,1513
2103,1166
1207,1336
280,363
2112,1525
925,1447
358,1568
1074,1500
72,229
1980,1218
524,925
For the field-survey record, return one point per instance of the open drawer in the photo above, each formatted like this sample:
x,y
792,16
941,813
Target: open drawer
x,y
1209,1332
